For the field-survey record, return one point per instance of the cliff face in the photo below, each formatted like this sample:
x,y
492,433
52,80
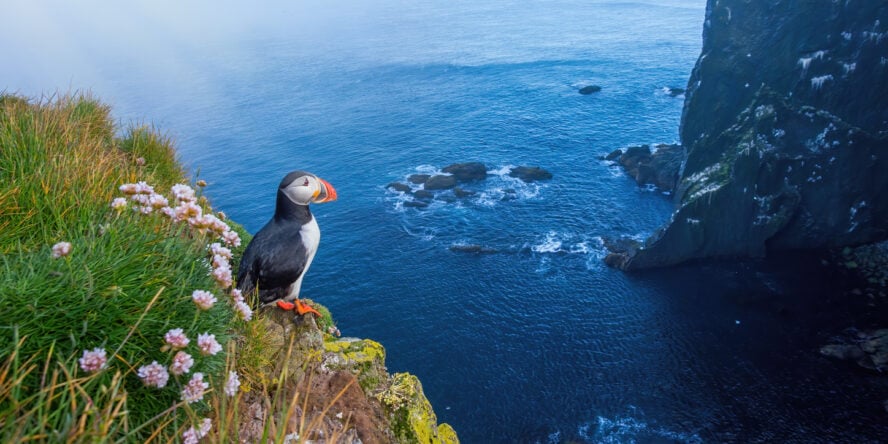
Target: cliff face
x,y
785,126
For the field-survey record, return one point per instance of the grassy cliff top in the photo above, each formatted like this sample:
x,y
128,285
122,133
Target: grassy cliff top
x,y
118,317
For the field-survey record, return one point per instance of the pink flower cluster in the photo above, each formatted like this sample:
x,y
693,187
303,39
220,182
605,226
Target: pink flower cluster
x,y
193,436
146,200
240,305
208,344
61,249
203,299
93,360
154,375
194,390
232,384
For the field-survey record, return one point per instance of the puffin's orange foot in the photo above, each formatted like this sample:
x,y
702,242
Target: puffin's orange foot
x,y
284,305
304,308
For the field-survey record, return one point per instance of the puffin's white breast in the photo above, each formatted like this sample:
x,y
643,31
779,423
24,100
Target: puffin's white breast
x,y
311,237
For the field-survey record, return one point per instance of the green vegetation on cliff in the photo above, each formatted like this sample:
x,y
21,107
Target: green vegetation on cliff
x,y
118,322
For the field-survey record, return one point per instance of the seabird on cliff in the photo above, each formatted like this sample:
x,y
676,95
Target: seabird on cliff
x,y
277,258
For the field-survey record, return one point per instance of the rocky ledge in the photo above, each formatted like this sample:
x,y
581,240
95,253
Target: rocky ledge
x,y
868,349
343,390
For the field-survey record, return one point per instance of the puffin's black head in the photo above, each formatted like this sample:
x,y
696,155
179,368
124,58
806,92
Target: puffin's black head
x,y
303,188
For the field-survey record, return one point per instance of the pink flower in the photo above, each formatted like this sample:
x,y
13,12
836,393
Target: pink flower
x,y
93,360
190,436
170,212
194,390
141,199
144,188
176,338
188,210
243,310
157,201
232,384
205,426
231,237
182,192
220,262
193,436
61,249
118,204
128,188
215,224
218,250
207,344
236,295
223,276
154,375
182,363
203,299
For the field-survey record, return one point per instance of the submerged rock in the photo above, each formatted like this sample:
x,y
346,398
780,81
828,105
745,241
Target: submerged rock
x,y
460,193
590,89
530,173
472,248
415,204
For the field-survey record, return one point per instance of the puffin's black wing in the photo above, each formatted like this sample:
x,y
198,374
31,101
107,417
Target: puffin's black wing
x,y
272,262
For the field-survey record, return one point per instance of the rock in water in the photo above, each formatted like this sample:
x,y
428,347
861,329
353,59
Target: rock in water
x,y
530,173
418,178
659,168
590,89
440,182
399,187
675,92
467,172
784,124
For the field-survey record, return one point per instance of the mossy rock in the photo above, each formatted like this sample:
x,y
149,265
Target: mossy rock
x,y
413,419
364,358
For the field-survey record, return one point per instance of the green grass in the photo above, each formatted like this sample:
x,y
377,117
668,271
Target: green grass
x,y
128,279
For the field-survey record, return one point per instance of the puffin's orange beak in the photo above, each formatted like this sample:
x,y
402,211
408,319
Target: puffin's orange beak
x,y
327,194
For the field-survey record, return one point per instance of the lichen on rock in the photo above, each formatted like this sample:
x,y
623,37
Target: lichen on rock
x,y
340,385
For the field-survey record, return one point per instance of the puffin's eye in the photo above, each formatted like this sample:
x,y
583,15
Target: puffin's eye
x,y
306,183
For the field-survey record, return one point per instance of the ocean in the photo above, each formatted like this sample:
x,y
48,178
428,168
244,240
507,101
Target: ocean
x,y
535,340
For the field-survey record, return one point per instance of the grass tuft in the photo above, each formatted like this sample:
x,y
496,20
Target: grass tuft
x,y
128,278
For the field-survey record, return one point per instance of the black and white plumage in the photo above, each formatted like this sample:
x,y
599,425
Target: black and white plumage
x,y
276,260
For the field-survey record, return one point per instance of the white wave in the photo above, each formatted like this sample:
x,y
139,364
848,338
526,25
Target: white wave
x,y
621,429
550,245
569,243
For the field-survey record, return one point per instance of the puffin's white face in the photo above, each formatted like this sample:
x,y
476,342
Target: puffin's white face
x,y
309,189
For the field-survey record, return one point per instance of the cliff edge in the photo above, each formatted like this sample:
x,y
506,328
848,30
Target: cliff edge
x,y
785,127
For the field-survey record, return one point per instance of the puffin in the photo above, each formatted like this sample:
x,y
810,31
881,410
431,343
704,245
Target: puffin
x,y
276,260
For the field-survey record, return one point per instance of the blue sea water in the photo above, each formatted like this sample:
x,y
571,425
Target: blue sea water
x,y
538,342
